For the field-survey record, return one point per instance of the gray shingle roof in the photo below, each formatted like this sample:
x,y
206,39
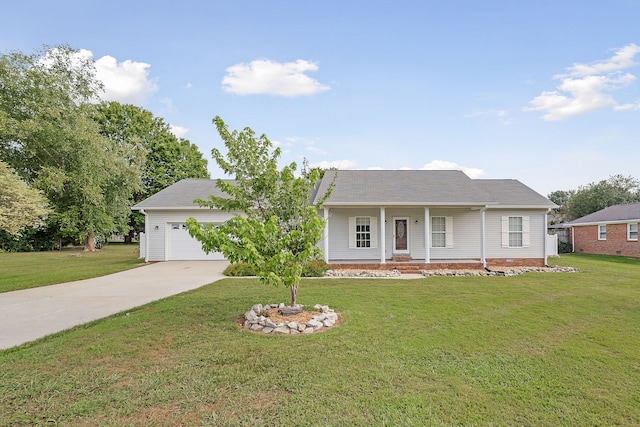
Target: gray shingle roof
x,y
421,187
378,188
626,212
181,195
511,192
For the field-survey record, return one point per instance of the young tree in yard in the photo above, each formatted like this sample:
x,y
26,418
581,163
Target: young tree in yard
x,y
48,136
20,205
277,229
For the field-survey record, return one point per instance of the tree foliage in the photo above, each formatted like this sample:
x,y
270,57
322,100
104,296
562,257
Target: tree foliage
x,y
616,190
20,205
277,229
168,159
48,136
165,158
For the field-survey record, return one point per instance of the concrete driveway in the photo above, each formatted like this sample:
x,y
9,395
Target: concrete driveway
x,y
34,313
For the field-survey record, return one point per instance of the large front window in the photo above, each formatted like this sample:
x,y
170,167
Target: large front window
x,y
363,232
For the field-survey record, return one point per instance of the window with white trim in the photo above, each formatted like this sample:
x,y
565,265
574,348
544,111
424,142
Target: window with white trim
x,y
632,231
602,231
515,232
363,232
441,232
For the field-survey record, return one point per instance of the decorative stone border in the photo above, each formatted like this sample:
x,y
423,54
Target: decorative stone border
x,y
362,273
432,273
255,320
504,272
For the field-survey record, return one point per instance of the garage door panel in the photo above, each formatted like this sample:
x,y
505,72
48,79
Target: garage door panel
x,y
183,247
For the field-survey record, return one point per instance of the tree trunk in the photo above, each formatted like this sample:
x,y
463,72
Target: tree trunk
x,y
294,294
89,243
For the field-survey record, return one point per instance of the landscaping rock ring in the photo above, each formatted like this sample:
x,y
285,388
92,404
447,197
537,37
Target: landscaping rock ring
x,y
282,320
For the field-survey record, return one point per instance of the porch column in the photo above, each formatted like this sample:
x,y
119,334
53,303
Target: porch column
x,y
427,237
483,238
383,240
325,235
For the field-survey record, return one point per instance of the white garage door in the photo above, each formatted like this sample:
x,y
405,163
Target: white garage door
x,y
183,247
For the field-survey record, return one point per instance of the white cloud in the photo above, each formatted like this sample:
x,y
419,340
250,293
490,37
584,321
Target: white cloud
x,y
473,173
622,59
273,78
586,88
178,131
628,107
127,82
338,164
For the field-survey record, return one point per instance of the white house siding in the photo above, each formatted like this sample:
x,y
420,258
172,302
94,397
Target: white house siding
x,y
537,234
157,239
339,235
466,234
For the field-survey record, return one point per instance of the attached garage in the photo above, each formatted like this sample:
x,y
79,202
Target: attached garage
x,y
166,237
182,247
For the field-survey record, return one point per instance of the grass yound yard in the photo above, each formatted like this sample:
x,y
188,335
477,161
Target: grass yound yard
x,y
535,349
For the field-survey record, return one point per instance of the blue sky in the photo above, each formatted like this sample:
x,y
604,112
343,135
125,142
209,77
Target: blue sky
x,y
545,92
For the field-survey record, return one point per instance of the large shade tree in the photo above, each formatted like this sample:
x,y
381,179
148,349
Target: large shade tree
x,y
277,229
48,136
616,190
167,158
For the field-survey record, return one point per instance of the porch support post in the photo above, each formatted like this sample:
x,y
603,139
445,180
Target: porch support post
x,y
325,235
427,235
483,237
383,246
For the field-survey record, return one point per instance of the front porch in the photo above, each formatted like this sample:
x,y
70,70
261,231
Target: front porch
x,y
408,266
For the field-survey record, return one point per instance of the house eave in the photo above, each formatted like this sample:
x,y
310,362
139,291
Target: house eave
x,y
406,204
613,221
169,208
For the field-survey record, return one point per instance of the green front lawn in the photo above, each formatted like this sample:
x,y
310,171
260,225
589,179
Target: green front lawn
x,y
33,269
541,349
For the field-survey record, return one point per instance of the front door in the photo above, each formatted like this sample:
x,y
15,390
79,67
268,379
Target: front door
x,y
401,235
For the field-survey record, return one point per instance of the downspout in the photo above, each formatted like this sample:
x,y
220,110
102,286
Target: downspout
x,y
572,230
483,248
146,235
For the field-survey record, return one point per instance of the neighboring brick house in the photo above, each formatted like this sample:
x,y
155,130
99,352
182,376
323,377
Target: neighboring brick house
x,y
610,231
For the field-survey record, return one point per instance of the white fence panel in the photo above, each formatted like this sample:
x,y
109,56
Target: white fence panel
x,y
552,245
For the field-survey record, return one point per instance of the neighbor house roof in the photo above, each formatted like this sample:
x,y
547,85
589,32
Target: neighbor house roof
x,y
420,187
628,212
181,195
